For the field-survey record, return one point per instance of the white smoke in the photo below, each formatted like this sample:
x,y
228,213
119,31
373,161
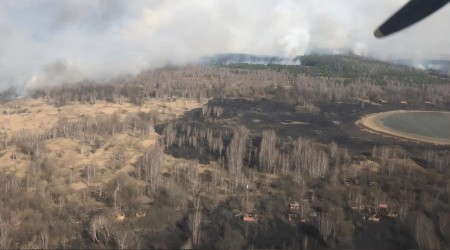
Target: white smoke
x,y
48,42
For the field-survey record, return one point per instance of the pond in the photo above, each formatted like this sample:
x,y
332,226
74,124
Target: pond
x,y
429,126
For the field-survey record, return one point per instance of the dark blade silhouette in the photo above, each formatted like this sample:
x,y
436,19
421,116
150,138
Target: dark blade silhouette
x,y
412,12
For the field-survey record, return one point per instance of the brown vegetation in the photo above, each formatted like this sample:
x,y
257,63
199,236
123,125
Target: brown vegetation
x,y
84,168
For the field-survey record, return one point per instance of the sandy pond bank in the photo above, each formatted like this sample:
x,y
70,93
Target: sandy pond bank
x,y
374,124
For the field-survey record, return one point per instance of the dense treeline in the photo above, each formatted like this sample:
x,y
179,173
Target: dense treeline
x,y
343,79
350,68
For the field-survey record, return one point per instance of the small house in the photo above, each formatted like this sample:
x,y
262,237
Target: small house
x,y
140,214
392,213
375,218
120,217
250,217
382,206
292,217
356,207
293,205
348,181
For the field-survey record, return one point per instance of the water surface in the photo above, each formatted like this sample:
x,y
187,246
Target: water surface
x,y
423,123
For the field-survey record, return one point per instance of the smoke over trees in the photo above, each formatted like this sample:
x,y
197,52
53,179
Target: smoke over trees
x,y
301,86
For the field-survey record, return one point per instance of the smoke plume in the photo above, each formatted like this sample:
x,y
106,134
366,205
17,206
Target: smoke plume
x,y
47,42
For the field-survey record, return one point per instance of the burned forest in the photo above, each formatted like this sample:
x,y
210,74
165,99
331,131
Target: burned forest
x,y
225,155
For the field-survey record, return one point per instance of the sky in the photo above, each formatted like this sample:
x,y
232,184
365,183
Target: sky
x,y
47,42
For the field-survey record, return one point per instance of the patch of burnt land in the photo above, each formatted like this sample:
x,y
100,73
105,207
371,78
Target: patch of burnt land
x,y
325,122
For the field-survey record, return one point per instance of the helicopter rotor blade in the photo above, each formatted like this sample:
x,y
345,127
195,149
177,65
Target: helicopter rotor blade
x,y
412,12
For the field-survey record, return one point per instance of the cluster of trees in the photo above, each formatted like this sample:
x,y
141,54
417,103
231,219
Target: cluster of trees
x,y
40,212
317,79
299,164
389,175
192,206
240,154
235,154
214,111
304,160
148,166
301,157
438,159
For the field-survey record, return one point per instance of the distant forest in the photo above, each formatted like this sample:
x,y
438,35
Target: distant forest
x,y
318,78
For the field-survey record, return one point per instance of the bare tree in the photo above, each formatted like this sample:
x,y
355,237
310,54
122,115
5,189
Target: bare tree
x,y
118,158
425,232
90,172
235,153
5,239
195,223
309,161
169,134
444,224
326,225
268,153
100,230
150,164
403,212
121,239
43,237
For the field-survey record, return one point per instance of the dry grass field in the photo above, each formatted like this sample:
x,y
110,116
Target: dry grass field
x,y
69,156
37,115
